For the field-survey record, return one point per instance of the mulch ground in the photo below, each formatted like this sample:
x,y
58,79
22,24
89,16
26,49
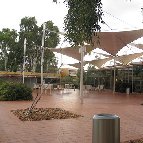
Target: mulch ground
x,y
134,141
38,114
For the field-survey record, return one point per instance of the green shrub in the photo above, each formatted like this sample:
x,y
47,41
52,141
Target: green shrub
x,y
14,91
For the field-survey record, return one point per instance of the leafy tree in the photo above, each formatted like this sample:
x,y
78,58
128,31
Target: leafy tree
x,y
50,62
12,46
33,34
14,60
8,41
67,80
89,75
51,37
82,20
51,41
29,30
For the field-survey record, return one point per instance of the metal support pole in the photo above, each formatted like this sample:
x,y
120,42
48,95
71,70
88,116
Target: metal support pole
x,y
61,71
5,60
24,59
82,49
42,57
142,14
132,78
114,75
128,75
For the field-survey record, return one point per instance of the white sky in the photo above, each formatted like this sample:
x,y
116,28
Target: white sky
x,y
12,11
129,12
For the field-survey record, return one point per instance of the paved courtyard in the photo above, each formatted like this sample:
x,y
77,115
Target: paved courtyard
x,y
79,130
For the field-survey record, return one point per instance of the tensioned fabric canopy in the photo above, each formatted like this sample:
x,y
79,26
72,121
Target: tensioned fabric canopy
x,y
72,51
99,62
112,42
76,65
125,59
140,46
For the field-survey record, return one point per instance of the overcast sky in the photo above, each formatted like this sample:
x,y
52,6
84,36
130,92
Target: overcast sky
x,y
129,13
118,14
12,11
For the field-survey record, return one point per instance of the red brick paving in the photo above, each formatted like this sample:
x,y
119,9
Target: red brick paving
x,y
127,107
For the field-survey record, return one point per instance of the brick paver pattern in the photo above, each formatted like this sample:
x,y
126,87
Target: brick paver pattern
x,y
127,107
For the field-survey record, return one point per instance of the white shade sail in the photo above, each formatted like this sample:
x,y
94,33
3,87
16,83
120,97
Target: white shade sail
x,y
99,62
76,65
72,51
112,42
140,46
125,59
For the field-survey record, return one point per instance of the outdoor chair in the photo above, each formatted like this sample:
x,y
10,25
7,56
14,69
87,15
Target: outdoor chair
x,y
97,88
58,86
67,86
71,86
48,86
101,87
88,87
35,86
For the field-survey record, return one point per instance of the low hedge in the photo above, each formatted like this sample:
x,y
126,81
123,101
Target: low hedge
x,y
10,91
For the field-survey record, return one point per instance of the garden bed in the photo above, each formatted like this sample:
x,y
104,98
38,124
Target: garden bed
x,y
38,114
134,141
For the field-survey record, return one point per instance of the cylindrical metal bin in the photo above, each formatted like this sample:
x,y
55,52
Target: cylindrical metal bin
x,y
106,128
127,90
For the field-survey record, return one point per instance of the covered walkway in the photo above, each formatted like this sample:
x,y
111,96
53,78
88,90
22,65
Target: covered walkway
x,y
79,130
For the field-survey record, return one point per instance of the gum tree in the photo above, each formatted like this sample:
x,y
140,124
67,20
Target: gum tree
x,y
33,33
8,44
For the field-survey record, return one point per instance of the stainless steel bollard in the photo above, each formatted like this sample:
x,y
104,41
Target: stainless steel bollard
x,y
106,128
